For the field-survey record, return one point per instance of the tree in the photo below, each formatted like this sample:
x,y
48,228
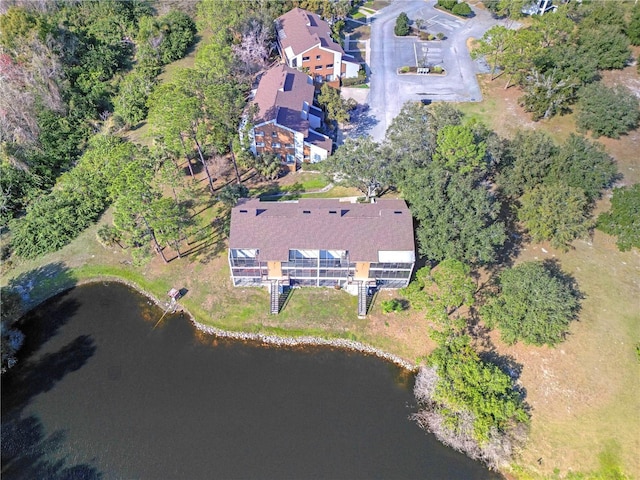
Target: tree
x,y
131,102
548,93
230,194
457,217
607,111
254,49
529,158
585,165
441,291
268,165
336,107
633,29
535,305
358,163
493,45
555,212
462,9
11,338
402,25
458,151
606,44
411,137
470,404
622,219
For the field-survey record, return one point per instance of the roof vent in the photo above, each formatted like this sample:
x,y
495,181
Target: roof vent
x,y
333,211
244,211
397,212
306,211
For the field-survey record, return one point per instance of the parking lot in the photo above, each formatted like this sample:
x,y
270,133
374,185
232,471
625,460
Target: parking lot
x,y
389,90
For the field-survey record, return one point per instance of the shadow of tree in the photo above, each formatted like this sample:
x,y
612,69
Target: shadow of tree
x,y
25,449
35,376
35,286
361,122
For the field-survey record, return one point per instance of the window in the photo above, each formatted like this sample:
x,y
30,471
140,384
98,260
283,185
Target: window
x,y
259,133
317,57
274,134
329,66
305,59
316,157
275,144
259,144
291,158
289,145
294,62
318,67
329,78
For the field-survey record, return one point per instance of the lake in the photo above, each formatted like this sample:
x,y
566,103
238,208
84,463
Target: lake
x,y
100,393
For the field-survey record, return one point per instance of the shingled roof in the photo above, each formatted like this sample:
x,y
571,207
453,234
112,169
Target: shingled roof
x,y
363,229
302,30
280,96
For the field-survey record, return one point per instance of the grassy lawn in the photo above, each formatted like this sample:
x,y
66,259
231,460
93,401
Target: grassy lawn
x,y
584,392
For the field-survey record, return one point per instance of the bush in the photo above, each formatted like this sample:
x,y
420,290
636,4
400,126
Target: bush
x,y
462,9
349,82
440,36
607,111
437,70
402,25
393,305
424,35
622,220
536,303
404,69
447,4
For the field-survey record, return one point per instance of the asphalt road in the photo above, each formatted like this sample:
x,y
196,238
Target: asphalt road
x,y
389,91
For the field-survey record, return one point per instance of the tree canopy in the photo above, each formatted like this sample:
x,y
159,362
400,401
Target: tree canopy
x,y
607,111
359,163
555,212
535,304
457,217
623,219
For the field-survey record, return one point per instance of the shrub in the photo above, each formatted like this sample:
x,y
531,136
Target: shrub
x,y
622,220
402,25
447,4
440,36
404,69
462,9
536,303
437,70
607,111
349,82
393,305
424,35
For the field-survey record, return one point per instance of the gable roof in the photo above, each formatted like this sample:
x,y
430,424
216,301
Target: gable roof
x,y
363,229
302,30
281,95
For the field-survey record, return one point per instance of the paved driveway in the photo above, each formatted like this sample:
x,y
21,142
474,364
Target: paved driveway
x,y
389,91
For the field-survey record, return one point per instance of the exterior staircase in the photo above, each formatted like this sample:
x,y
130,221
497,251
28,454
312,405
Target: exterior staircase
x,y
275,297
363,290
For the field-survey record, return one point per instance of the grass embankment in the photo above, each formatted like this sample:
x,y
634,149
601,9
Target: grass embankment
x,y
584,392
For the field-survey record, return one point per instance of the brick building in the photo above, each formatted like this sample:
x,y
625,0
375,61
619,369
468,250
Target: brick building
x,y
285,119
304,42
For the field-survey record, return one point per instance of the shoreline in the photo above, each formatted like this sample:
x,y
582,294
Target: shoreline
x,y
266,339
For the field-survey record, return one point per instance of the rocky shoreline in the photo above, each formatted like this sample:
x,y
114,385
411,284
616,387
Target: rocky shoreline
x,y
271,340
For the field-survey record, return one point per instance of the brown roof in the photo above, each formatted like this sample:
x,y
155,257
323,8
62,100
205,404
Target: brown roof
x,y
361,228
319,140
302,30
280,96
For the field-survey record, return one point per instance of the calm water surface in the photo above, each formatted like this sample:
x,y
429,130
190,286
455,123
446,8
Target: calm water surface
x,y
100,393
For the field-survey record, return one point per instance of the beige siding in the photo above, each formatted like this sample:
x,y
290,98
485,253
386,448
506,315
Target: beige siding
x,y
362,271
274,269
